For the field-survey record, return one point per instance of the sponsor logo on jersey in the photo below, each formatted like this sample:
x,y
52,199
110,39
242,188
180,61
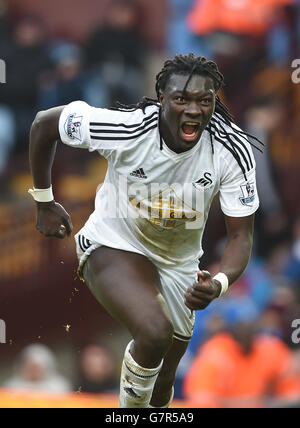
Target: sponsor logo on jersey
x,y
204,181
169,208
73,126
248,194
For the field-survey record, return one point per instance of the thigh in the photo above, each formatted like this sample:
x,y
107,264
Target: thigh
x,y
127,285
174,282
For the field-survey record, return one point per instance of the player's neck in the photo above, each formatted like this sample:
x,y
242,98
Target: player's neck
x,y
167,137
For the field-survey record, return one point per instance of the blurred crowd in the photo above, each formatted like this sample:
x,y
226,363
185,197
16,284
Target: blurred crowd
x,y
254,43
36,369
43,73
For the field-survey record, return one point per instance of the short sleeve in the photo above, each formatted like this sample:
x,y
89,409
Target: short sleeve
x,y
104,130
238,194
236,168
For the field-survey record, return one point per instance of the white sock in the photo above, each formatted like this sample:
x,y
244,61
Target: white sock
x,y
137,382
168,403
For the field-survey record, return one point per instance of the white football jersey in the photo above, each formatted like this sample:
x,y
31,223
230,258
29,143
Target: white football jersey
x,y
154,201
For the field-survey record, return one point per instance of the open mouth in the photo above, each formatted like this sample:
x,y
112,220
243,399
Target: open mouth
x,y
190,130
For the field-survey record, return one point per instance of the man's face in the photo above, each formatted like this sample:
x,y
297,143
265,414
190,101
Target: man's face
x,y
186,115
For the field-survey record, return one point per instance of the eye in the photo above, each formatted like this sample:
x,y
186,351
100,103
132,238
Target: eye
x,y
180,99
206,101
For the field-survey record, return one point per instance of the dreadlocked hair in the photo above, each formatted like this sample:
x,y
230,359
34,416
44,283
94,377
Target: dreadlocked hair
x,y
199,65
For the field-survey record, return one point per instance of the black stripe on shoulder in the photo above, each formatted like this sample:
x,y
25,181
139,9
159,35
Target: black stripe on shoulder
x,y
223,135
239,140
114,131
114,125
94,137
232,151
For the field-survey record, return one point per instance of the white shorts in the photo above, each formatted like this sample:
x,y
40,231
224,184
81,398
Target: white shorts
x,y
174,282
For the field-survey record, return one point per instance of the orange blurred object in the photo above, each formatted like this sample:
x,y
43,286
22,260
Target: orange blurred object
x,y
31,399
223,376
248,17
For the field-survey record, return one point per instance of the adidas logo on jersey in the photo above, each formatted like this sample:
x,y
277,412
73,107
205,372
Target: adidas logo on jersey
x,y
139,173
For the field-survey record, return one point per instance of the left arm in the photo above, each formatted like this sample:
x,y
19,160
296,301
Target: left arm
x,y
234,261
238,248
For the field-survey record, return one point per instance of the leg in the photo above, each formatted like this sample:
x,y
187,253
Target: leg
x,y
127,285
163,387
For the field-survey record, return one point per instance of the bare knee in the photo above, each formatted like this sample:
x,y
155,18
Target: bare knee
x,y
156,336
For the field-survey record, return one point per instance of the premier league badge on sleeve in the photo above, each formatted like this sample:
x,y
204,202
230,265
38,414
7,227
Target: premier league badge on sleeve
x,y
73,126
248,194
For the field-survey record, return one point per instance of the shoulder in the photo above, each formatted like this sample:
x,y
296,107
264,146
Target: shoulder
x,y
100,128
231,146
113,116
123,124
123,117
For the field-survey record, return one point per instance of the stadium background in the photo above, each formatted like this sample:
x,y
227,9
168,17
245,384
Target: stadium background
x,y
62,51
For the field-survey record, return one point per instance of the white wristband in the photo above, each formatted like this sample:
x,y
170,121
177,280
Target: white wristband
x,y
42,195
222,278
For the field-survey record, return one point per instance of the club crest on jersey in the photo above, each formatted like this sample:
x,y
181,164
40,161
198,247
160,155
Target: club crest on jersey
x,y
205,181
248,194
73,126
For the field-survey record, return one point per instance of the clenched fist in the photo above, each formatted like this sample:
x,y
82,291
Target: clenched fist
x,y
203,292
53,220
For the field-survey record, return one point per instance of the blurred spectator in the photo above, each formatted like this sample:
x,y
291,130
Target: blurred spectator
x,y
292,268
180,38
242,369
4,23
283,308
247,17
98,371
36,370
262,276
26,59
115,53
7,135
7,123
67,83
261,120
282,38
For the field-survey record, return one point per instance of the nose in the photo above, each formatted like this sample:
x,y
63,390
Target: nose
x,y
193,109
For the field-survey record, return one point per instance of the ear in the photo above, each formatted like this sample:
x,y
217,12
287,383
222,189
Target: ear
x,y
161,98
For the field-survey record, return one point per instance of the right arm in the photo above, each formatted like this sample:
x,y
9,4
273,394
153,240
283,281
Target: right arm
x,y
81,126
52,219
